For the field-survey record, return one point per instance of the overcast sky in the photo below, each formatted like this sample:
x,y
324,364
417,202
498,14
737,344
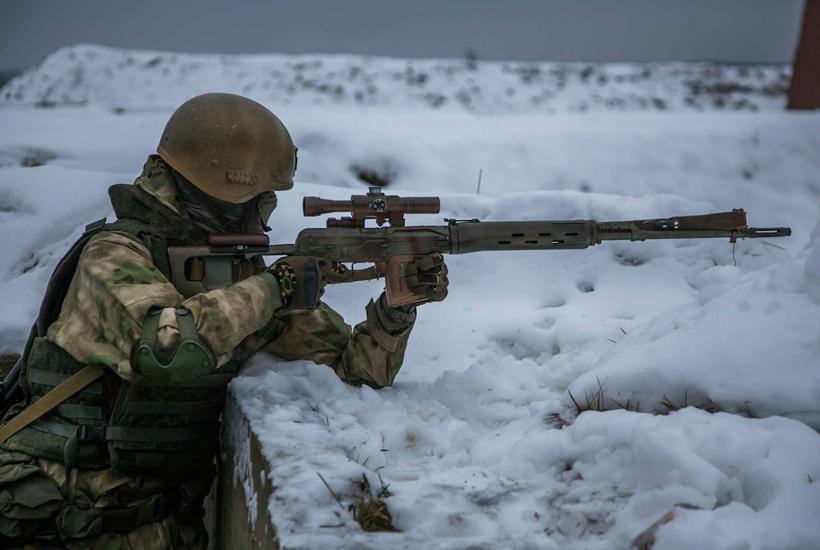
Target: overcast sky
x,y
591,30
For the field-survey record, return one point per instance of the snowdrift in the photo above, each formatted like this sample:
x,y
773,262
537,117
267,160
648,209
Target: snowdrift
x,y
479,441
757,352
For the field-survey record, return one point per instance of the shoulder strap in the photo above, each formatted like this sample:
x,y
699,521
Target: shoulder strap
x,y
76,383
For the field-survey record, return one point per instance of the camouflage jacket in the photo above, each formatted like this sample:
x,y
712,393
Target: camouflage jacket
x,y
116,284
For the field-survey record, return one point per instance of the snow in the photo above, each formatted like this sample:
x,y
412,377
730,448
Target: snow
x,y
479,441
470,468
128,79
813,265
738,320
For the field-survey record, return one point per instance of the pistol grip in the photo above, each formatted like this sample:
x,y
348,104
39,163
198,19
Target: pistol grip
x,y
398,293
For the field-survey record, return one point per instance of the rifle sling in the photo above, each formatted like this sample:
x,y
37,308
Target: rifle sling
x,y
51,400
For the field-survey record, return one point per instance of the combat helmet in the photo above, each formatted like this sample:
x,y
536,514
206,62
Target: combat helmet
x,y
229,146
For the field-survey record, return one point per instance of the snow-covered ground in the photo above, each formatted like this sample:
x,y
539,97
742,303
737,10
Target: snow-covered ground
x,y
479,439
127,79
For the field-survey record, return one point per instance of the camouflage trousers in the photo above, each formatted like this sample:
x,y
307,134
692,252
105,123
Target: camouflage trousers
x,y
104,509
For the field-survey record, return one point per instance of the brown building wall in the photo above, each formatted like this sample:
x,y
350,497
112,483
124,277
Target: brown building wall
x,y
805,87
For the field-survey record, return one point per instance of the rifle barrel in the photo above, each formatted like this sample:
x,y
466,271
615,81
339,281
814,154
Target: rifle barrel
x,y
731,225
474,236
605,234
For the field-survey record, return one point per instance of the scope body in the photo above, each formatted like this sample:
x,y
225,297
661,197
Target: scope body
x,y
375,205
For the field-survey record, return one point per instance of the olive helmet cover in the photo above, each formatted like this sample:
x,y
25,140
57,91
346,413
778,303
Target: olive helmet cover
x,y
229,146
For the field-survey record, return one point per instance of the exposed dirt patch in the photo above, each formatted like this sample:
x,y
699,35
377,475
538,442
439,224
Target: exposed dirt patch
x,y
376,172
585,286
36,157
628,259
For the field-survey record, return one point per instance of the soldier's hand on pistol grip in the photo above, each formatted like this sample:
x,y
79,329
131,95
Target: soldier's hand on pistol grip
x,y
427,278
302,279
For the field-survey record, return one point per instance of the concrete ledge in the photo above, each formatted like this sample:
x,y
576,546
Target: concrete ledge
x,y
238,511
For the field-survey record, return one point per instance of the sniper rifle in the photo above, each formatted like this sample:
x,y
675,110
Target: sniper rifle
x,y
392,244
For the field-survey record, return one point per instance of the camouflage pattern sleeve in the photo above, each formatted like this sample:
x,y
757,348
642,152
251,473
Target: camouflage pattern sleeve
x,y
371,353
115,286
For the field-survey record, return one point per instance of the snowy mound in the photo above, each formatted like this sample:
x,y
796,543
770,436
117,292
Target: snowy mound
x,y
665,391
125,79
758,348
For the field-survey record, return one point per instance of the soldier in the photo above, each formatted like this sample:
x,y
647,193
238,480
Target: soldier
x,y
127,461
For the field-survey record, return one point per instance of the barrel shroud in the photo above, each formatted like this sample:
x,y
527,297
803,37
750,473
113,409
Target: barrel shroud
x,y
475,236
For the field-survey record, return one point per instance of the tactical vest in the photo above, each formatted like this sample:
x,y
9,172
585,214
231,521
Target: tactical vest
x,y
137,428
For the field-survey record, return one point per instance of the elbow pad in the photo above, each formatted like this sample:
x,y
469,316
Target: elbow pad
x,y
190,359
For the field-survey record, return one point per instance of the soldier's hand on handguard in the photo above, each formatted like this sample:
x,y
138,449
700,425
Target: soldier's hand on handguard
x,y
302,279
426,278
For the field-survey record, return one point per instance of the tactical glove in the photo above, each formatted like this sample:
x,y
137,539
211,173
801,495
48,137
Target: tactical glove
x,y
394,319
426,278
302,279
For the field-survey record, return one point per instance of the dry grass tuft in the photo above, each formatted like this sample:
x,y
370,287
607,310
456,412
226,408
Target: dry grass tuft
x,y
596,400
667,405
555,420
367,508
593,401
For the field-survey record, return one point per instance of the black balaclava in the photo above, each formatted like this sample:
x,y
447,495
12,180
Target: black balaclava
x,y
216,216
